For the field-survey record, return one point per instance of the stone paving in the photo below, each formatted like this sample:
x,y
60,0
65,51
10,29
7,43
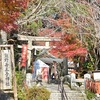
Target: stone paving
x,y
71,94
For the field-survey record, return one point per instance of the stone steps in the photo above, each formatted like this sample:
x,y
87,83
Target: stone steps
x,y
75,96
71,94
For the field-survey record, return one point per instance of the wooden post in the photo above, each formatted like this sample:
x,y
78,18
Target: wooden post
x,y
65,66
0,70
14,76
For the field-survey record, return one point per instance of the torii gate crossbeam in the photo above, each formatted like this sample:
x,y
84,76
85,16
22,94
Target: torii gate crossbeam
x,y
36,38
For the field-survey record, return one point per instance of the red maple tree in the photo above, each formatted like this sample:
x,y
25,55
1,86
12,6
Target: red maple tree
x,y
9,12
70,45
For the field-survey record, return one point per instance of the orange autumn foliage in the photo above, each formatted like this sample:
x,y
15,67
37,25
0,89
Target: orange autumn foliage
x,y
69,46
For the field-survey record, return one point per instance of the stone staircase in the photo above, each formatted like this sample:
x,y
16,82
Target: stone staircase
x,y
74,94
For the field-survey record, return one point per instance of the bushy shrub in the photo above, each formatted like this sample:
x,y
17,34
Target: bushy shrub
x,y
20,86
38,93
34,93
90,95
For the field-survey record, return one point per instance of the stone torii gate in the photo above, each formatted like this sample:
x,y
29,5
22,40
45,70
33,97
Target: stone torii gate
x,y
36,38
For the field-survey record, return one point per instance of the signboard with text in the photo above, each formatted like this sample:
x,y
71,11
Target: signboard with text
x,y
6,69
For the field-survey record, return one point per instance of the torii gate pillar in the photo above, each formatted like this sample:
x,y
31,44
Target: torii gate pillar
x,y
29,53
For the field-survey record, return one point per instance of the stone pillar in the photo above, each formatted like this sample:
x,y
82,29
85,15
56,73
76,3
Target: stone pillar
x,y
47,44
73,78
29,79
3,37
86,77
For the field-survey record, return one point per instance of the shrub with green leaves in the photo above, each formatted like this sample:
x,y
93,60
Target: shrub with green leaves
x,y
20,86
34,93
90,95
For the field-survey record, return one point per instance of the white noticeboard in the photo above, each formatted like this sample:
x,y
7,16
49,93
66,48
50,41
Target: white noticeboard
x,y
6,69
97,75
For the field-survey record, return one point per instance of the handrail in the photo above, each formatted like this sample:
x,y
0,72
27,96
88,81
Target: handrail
x,y
81,92
62,90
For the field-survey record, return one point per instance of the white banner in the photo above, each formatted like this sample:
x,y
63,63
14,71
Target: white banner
x,y
7,71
